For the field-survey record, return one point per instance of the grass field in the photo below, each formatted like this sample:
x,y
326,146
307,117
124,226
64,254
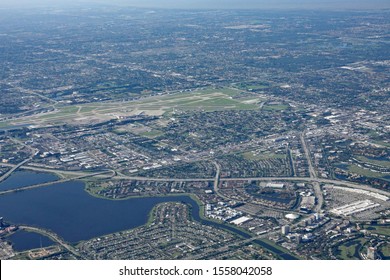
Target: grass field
x,y
226,91
382,143
257,87
364,172
87,109
350,249
63,112
383,163
152,133
253,86
381,230
385,250
4,124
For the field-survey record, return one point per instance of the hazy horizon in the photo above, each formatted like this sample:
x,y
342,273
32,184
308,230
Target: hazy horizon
x,y
210,4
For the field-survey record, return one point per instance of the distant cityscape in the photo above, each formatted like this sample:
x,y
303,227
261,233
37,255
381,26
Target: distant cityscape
x,y
130,133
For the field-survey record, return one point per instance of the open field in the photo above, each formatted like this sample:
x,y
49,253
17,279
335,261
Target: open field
x,y
381,230
253,86
225,91
4,124
381,143
350,250
364,172
257,87
152,133
207,100
385,250
383,163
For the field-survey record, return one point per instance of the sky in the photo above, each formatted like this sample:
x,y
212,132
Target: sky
x,y
212,4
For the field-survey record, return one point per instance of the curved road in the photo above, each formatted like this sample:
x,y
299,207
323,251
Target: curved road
x,y
54,237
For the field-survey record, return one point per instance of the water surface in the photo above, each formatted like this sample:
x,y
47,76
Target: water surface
x,y
24,240
68,210
21,179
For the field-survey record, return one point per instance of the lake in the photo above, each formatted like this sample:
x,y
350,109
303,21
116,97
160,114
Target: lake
x,y
69,211
21,179
24,240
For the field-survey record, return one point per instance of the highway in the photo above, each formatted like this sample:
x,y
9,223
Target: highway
x,y
319,195
216,181
301,179
14,167
52,170
56,182
312,172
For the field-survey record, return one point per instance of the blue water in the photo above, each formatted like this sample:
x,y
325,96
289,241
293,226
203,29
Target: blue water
x,y
68,210
21,179
24,240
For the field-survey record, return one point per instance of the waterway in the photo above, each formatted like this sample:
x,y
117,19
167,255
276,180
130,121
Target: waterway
x,y
24,240
69,211
21,179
